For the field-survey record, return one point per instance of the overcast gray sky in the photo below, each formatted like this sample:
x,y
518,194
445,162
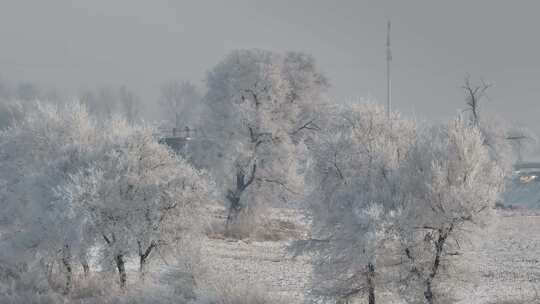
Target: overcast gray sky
x,y
71,44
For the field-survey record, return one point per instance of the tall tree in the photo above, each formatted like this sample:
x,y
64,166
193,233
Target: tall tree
x,y
68,184
474,93
106,102
130,104
181,104
453,184
257,99
139,196
38,153
354,199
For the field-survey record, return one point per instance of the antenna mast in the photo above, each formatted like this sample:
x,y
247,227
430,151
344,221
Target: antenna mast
x,y
388,80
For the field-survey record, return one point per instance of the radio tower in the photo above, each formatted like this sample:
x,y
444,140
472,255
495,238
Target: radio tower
x,y
388,80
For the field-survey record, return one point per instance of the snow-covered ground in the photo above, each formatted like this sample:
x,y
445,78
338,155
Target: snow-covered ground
x,y
501,265
264,266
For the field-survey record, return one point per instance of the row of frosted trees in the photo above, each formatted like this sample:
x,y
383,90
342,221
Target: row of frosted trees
x,y
392,202
389,200
70,184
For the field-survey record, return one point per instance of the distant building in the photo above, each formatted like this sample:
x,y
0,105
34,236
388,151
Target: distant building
x,y
190,144
176,138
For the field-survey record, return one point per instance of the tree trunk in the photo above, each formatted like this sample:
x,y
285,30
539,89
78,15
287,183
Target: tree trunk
x,y
439,247
69,273
234,210
120,264
233,197
142,266
143,257
428,294
66,261
86,268
50,269
370,276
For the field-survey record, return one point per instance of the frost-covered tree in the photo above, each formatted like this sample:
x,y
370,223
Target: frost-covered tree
x,y
130,104
354,198
384,195
54,157
138,196
106,102
452,183
10,112
38,153
506,142
474,94
181,104
16,98
258,100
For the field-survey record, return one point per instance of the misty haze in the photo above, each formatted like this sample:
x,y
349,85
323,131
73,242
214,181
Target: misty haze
x,y
269,152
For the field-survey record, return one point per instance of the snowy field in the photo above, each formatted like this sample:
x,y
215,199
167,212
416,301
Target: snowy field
x,y
500,266
261,265
505,261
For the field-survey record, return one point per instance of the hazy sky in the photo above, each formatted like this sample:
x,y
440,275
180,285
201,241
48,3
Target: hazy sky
x,y
71,44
